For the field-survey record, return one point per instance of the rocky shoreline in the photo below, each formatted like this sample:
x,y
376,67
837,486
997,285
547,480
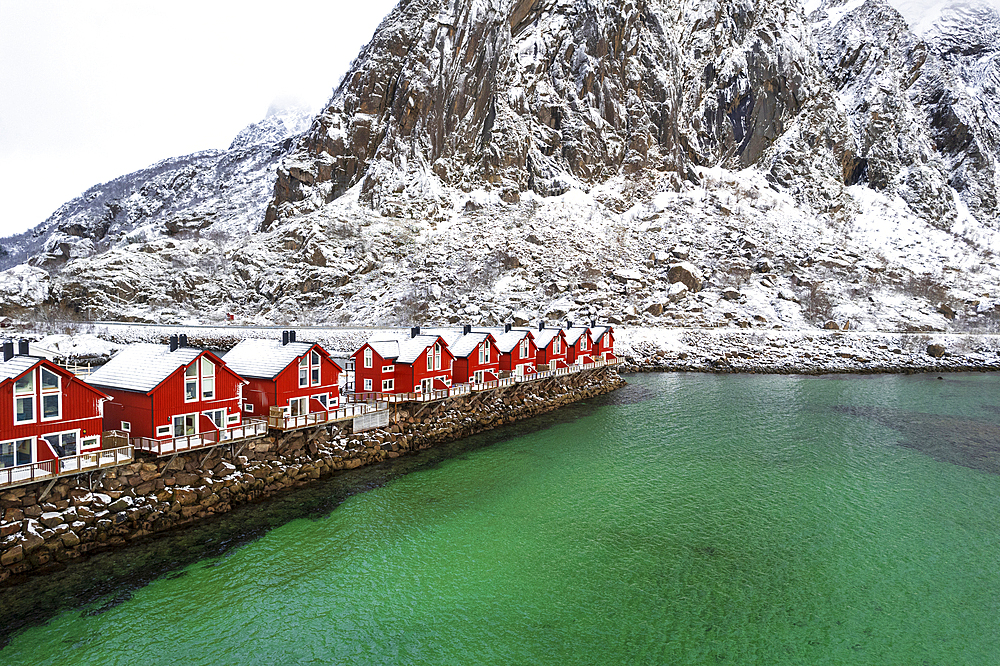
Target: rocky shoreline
x,y
155,495
805,352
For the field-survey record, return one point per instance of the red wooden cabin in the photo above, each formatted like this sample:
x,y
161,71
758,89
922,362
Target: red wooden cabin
x,y
161,391
579,350
603,340
299,377
51,413
419,364
551,345
476,357
517,351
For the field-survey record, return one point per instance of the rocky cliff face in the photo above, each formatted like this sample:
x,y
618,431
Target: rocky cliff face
x,y
546,95
489,160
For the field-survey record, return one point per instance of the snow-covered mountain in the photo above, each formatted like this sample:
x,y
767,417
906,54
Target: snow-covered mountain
x,y
645,161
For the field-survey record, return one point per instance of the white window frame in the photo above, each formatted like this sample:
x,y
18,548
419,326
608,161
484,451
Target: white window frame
x,y
221,413
90,442
61,435
555,345
437,355
163,431
323,399
48,393
298,406
430,358
26,394
14,454
368,384
126,426
388,385
368,357
484,352
477,377
386,368
173,424
232,419
248,407
315,368
304,371
524,348
207,379
193,381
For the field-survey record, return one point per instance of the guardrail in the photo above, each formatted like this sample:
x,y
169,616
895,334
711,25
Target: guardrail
x,y
495,384
66,466
319,418
251,429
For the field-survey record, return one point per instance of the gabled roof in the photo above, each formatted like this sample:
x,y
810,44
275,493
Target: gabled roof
x,y
543,337
468,343
406,350
574,334
597,331
142,367
16,366
265,359
507,341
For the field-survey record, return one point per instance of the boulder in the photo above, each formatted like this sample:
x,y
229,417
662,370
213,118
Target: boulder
x,y
731,294
831,326
686,273
677,291
655,309
947,310
12,556
51,519
936,350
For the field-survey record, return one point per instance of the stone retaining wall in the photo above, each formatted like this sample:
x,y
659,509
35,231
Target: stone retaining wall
x,y
85,513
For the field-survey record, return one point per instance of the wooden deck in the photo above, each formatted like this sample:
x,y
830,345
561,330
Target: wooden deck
x,y
251,429
66,466
347,413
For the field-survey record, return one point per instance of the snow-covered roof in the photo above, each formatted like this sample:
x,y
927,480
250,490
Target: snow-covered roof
x,y
507,341
15,366
467,344
264,359
406,350
543,337
141,367
597,331
573,334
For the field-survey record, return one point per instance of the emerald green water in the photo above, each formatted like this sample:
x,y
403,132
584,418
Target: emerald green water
x,y
686,519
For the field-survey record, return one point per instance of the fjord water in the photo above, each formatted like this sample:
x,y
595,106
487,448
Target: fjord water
x,y
685,519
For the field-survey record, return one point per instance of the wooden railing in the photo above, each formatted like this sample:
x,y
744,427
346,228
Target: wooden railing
x,y
282,422
251,429
495,384
66,466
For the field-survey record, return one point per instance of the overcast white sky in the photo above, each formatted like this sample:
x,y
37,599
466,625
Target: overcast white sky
x,y
91,90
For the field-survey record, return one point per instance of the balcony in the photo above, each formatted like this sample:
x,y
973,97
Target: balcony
x,y
251,429
66,466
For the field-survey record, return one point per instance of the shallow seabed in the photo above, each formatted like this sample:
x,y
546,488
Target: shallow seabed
x,y
686,519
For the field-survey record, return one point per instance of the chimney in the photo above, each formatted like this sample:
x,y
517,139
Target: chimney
x,y
8,350
284,338
593,323
569,323
291,336
467,329
415,331
182,340
506,328
541,324
173,343
22,347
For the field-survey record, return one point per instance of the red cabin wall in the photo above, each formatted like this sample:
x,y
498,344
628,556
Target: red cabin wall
x,y
374,373
287,383
261,394
420,371
473,365
136,408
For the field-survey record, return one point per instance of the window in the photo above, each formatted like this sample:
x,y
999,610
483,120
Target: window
x,y
63,443
368,357
524,348
90,442
368,385
207,379
216,416
163,431
191,383
304,371
232,419
24,398
437,356
484,352
185,424
430,359
15,452
388,384
477,377
321,399
386,368
298,406
51,395
126,426
314,360
583,342
555,346
248,407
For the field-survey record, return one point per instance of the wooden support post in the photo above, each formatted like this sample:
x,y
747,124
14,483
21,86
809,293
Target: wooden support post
x,y
201,465
48,489
90,479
